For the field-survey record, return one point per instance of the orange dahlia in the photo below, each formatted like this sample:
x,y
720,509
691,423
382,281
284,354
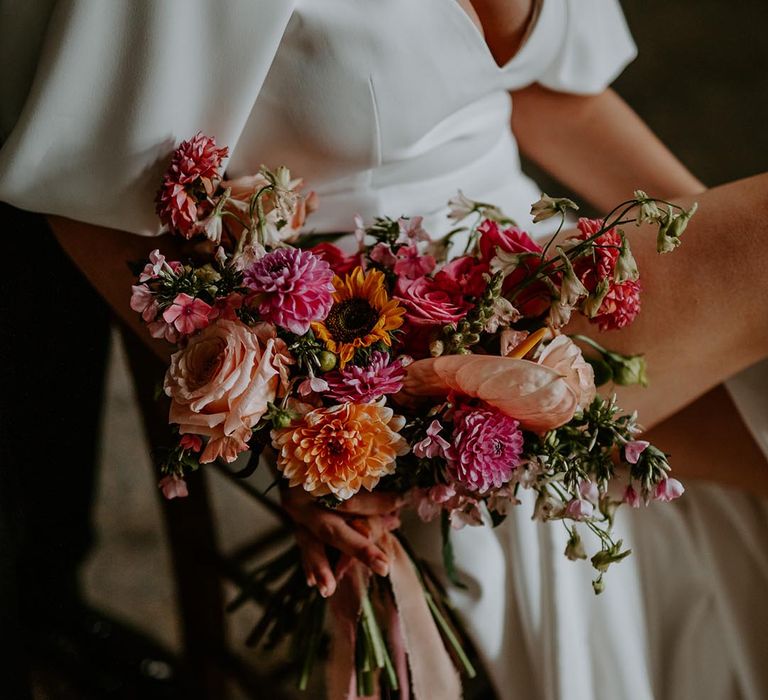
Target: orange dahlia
x,y
340,450
362,314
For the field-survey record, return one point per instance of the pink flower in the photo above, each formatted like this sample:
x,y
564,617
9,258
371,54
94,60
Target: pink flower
x,y
293,288
313,385
161,329
433,445
340,263
153,268
510,240
193,443
143,302
564,356
380,377
382,254
430,305
633,450
631,497
589,491
226,307
600,265
668,490
187,314
578,509
412,265
467,273
189,181
221,383
411,229
486,448
173,487
619,307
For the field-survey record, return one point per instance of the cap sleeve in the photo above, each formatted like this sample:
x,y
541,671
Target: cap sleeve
x,y
117,85
577,46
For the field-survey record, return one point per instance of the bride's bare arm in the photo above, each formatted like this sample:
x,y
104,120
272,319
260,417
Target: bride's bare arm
x,y
597,146
704,314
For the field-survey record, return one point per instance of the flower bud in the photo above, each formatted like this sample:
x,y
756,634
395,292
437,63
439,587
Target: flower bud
x,y
548,206
436,348
574,549
281,419
626,267
327,360
628,370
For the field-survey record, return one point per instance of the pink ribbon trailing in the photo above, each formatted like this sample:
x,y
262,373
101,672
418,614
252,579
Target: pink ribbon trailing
x,y
414,640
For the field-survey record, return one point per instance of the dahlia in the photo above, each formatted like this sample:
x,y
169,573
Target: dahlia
x,y
293,288
365,384
188,183
340,450
487,445
362,314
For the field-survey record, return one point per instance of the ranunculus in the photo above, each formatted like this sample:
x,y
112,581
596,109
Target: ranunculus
x,y
430,305
220,385
467,273
565,357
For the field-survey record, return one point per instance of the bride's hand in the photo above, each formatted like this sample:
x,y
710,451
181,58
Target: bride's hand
x,y
318,526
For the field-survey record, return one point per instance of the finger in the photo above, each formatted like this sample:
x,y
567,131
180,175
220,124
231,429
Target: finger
x,y
366,503
336,532
315,561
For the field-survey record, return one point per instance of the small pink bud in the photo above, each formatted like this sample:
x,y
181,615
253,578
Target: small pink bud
x,y
668,490
633,450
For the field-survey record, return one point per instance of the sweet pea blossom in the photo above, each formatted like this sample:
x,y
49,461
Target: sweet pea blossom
x,y
433,445
631,497
173,486
589,491
633,450
187,314
668,490
313,385
579,509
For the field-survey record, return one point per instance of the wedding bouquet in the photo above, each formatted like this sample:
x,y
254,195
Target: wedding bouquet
x,y
450,382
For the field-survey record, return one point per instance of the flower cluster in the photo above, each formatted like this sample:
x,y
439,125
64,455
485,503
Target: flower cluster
x,y
450,382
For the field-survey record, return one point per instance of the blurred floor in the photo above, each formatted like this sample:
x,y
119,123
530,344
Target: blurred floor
x,y
700,82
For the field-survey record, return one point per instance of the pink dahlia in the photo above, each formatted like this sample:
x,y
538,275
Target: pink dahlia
x,y
487,445
189,181
355,384
293,287
619,307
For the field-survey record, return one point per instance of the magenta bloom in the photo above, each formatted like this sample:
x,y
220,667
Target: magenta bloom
x,y
293,288
487,445
187,314
355,384
188,183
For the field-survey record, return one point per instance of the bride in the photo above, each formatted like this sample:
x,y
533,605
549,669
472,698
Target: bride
x,y
389,106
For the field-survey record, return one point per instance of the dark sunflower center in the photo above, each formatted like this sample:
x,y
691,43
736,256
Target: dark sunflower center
x,y
350,319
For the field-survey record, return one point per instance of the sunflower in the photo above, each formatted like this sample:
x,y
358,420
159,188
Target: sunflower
x,y
362,314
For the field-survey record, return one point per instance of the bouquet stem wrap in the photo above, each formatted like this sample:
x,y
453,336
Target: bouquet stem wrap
x,y
413,633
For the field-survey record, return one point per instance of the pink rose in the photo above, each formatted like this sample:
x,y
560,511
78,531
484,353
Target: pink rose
x,y
467,273
220,385
430,305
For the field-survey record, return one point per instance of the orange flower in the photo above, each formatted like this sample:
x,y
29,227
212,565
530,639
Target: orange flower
x,y
362,314
340,450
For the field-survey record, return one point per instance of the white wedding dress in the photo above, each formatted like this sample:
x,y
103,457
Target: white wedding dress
x,y
388,107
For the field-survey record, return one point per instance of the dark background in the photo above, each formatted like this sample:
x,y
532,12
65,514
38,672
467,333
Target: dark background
x,y
701,82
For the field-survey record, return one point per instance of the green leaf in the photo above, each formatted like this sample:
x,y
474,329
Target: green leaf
x,y
602,370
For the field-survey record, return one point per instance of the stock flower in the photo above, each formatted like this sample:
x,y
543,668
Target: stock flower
x,y
486,448
411,264
187,314
362,315
221,383
340,450
354,384
189,181
293,287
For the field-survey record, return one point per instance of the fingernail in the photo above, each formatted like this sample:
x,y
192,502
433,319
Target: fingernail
x,y
323,591
381,567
